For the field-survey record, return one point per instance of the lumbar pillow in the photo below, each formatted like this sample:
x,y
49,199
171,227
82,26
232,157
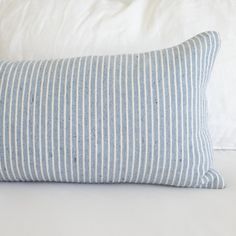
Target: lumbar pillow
x,y
136,118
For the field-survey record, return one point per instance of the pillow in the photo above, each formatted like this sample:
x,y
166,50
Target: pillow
x,y
135,118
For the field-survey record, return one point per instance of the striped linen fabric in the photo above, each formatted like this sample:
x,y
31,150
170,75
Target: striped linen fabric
x,y
136,118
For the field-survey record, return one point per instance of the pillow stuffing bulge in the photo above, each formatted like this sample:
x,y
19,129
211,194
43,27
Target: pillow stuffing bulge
x,y
135,118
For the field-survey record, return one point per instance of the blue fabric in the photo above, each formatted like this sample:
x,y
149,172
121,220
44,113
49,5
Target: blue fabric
x,y
137,118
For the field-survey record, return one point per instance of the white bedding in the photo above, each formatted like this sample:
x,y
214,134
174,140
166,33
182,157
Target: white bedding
x,y
102,210
66,28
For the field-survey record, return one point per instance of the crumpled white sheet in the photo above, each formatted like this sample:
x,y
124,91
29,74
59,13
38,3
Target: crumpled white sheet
x,y
36,29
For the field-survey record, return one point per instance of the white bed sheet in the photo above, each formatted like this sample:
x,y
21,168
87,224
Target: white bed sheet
x,y
114,210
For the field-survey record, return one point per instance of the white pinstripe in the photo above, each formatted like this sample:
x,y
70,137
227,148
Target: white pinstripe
x,y
108,120
215,51
197,116
192,112
187,116
77,121
21,128
146,123
127,121
209,71
114,112
121,121
204,112
46,127
71,116
205,161
170,122
209,68
139,115
102,123
10,119
212,178
202,86
34,117
83,120
200,170
95,108
158,121
40,121
151,75
175,95
164,115
3,137
65,119
52,129
133,121
28,120
182,116
89,119
217,177
208,141
58,123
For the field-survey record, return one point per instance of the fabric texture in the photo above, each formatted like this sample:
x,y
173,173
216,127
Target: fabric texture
x,y
135,118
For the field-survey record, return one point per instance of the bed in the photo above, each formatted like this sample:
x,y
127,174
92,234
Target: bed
x,y
72,209
31,29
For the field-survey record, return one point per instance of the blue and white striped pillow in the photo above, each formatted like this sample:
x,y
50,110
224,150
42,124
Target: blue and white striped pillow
x,y
137,118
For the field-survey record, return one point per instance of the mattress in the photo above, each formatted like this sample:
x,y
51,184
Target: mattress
x,y
74,209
